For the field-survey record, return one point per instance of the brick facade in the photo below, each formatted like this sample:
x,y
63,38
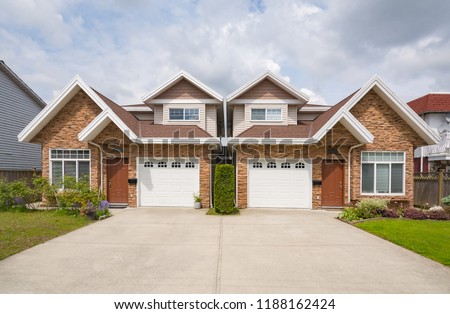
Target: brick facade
x,y
62,132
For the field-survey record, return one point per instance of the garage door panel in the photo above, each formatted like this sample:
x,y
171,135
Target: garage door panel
x,y
278,187
167,186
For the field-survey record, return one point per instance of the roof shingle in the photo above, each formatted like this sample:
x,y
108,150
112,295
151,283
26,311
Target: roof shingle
x,y
431,103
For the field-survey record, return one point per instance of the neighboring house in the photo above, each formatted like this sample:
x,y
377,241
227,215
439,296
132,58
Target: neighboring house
x,y
18,106
434,109
287,153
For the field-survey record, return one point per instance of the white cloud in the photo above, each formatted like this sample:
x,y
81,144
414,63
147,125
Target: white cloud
x,y
125,49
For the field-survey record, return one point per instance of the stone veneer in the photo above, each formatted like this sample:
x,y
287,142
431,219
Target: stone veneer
x,y
62,132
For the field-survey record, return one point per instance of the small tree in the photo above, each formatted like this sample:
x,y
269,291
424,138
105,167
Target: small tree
x,y
224,190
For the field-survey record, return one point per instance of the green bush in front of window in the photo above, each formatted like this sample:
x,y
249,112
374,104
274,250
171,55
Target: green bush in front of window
x,y
224,190
365,209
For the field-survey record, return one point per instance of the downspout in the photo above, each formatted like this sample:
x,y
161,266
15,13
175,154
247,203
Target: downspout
x,y
349,170
101,164
421,159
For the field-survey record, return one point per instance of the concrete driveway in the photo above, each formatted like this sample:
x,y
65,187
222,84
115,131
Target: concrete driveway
x,y
167,250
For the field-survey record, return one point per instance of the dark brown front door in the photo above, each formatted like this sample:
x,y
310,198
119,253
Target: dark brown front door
x,y
118,181
332,183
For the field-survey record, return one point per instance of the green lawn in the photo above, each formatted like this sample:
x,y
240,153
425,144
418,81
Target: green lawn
x,y
429,238
19,231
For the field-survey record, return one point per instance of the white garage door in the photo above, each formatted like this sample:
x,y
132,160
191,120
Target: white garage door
x,y
279,184
167,182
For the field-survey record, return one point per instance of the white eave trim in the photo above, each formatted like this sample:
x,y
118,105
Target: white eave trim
x,y
273,78
401,108
184,101
100,122
266,101
46,114
195,140
272,141
176,79
350,123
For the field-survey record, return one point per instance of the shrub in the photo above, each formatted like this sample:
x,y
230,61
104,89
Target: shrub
x,y
224,190
446,200
438,215
373,205
16,195
349,214
413,213
390,213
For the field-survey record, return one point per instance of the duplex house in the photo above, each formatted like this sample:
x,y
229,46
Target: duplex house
x,y
19,104
288,153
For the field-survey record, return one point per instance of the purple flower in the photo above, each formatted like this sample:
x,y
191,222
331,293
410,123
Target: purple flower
x,y
104,205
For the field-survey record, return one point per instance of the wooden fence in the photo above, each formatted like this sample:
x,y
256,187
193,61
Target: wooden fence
x,y
17,175
430,188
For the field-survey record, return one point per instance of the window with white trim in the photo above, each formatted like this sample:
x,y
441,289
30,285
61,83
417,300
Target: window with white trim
x,y
299,165
69,163
285,165
271,165
266,114
190,164
184,114
148,164
257,164
176,164
382,172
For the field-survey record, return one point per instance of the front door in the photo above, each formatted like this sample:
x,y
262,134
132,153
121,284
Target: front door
x,y
332,183
118,181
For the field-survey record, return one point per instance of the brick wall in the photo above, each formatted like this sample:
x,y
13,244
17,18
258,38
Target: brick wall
x,y
391,133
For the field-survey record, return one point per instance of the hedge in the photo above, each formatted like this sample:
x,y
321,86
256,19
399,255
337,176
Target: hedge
x,y
224,190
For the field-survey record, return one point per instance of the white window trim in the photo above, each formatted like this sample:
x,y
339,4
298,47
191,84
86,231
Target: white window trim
x,y
50,159
375,169
184,115
265,115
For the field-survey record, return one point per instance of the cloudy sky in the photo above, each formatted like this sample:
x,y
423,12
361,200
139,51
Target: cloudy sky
x,y
327,48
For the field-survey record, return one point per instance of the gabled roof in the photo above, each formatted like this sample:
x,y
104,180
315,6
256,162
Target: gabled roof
x,y
274,79
402,109
177,78
21,84
433,102
50,111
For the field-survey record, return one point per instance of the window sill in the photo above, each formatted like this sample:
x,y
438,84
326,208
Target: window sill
x,y
383,194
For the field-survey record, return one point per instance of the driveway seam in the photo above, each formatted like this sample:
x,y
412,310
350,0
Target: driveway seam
x,y
219,258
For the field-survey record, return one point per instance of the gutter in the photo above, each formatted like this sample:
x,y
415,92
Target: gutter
x,y
349,169
101,164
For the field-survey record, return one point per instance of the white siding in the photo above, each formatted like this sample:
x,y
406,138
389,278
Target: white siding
x,y
292,114
435,119
158,114
201,123
17,109
238,120
211,120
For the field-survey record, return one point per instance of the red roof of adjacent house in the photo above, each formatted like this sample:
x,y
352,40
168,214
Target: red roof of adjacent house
x,y
434,102
304,129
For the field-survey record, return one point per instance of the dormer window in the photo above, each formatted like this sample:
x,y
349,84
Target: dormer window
x,y
266,115
184,114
